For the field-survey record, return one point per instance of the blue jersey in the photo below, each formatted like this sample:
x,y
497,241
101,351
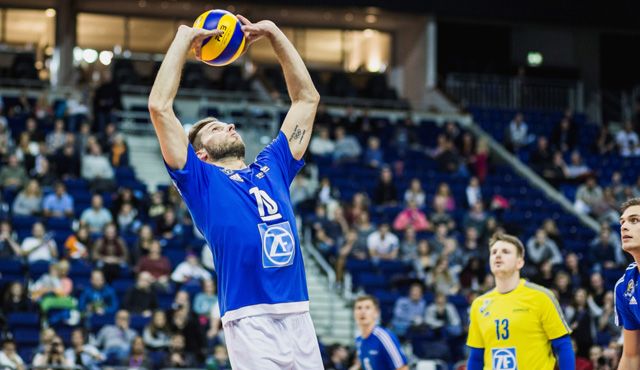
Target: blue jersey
x,y
626,299
247,219
380,351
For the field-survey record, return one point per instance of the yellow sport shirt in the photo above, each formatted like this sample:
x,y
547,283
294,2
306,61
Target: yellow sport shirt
x,y
515,329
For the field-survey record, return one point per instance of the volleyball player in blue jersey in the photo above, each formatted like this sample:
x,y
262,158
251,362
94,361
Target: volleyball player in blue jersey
x,y
244,211
626,295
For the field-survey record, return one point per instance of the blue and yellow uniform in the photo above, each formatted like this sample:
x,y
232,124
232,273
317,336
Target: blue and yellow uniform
x,y
515,329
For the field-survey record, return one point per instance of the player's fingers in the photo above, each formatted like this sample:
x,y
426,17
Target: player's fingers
x,y
243,19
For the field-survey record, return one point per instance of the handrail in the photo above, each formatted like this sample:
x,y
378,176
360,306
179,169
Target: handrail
x,y
324,265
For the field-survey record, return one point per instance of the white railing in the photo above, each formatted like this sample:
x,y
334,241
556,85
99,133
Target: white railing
x,y
504,92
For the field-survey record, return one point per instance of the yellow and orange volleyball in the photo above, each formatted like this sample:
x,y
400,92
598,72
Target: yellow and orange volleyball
x,y
223,49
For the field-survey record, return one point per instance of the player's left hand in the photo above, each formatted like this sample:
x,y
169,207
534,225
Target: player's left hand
x,y
255,31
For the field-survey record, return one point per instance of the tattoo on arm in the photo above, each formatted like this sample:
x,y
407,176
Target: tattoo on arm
x,y
298,134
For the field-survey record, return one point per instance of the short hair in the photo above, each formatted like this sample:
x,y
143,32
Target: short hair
x,y
368,297
513,240
195,129
629,203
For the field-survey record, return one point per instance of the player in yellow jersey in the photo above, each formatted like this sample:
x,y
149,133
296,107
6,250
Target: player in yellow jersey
x,y
517,325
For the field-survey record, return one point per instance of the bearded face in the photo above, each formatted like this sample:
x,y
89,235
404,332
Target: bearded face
x,y
228,149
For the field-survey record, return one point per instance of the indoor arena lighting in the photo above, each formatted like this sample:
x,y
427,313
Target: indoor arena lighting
x,y
90,55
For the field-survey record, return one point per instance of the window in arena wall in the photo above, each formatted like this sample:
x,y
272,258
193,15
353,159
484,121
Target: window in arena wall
x,y
25,26
151,36
367,50
322,47
100,32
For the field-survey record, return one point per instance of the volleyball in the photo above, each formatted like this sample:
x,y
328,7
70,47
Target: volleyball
x,y
223,49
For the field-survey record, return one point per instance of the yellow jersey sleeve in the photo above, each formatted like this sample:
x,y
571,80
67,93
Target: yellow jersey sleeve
x,y
474,339
551,316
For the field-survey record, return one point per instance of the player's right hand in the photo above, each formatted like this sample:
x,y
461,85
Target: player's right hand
x,y
198,35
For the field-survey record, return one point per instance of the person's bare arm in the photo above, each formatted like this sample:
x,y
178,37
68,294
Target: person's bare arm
x,y
298,123
173,140
630,359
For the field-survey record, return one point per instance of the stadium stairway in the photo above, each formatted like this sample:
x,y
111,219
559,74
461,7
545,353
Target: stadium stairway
x,y
146,159
331,313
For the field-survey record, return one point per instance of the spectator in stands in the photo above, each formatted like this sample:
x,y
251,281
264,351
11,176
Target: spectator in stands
x,y
467,149
605,253
596,291
53,355
581,320
347,148
39,246
119,151
325,244
321,144
157,265
183,321
425,258
77,110
97,169
541,157
81,353
453,254
373,156
168,227
143,242
9,246
338,358
604,143
385,192
206,300
56,284
35,133
15,299
110,252
473,191
67,162
549,225
43,172
541,248
471,245
190,271
13,176
409,310
577,275
545,275
29,200
443,318
627,141
517,134
411,217
156,333
138,358
448,159
106,101
476,217
56,139
562,288
415,193
350,249
99,298
59,203
590,198
480,161
565,136
78,244
438,239
96,217
443,194
441,279
177,355
617,188
26,151
554,172
141,299
125,196
115,340
9,358
576,170
127,219
606,321
635,189
302,194
6,141
383,244
409,245
472,274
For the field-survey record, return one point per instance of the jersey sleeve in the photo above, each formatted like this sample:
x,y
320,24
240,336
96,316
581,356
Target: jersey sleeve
x,y
279,154
192,181
551,316
623,316
393,352
474,339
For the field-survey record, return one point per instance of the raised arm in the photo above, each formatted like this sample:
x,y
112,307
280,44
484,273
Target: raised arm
x,y
298,123
173,140
630,350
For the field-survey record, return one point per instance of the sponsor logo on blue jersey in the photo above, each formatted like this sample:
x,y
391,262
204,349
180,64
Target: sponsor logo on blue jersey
x,y
278,244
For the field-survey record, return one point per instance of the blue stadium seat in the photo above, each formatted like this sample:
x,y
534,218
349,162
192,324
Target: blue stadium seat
x,y
24,320
38,268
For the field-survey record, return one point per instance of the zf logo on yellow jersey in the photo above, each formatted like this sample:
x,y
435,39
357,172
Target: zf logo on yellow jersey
x,y
504,359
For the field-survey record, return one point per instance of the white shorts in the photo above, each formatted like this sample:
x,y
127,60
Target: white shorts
x,y
273,342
